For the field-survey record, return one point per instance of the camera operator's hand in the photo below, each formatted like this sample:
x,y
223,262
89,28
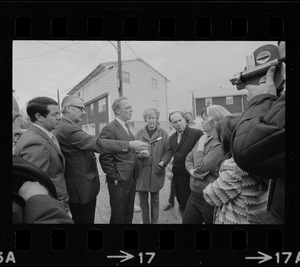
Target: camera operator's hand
x,y
266,88
29,189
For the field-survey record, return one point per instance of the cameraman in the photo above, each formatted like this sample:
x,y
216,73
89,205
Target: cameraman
x,y
258,143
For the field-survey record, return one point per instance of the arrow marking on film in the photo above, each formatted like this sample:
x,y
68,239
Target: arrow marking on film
x,y
265,257
126,257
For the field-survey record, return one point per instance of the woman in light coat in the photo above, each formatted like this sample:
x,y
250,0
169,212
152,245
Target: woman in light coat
x,y
153,161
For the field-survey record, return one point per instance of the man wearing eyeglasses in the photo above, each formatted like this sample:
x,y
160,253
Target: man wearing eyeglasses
x,y
81,171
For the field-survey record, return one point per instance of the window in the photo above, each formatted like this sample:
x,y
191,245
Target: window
x,y
125,77
89,129
229,100
78,94
101,105
92,108
208,102
154,83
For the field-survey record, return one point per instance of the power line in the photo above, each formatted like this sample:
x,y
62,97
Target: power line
x,y
69,74
92,82
131,49
49,52
155,74
50,44
83,62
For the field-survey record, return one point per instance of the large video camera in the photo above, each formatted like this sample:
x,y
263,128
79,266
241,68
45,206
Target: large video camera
x,y
258,64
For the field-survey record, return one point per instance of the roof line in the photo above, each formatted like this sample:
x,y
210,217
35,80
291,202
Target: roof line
x,y
98,70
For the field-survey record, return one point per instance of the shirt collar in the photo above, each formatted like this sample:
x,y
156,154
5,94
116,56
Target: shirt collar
x,y
69,120
121,122
50,135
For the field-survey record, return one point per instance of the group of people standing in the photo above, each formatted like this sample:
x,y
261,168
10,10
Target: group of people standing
x,y
62,154
222,174
230,167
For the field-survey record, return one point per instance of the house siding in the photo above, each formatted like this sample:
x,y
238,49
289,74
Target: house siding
x,y
139,92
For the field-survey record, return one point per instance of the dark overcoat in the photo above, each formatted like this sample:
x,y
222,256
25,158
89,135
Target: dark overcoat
x,y
151,178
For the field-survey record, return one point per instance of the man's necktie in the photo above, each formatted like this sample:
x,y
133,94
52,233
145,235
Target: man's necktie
x,y
179,135
56,142
129,131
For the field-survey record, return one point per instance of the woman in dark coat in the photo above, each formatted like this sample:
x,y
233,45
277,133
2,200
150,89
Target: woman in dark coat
x,y
152,165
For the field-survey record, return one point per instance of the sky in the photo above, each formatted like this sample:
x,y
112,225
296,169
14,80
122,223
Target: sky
x,y
40,68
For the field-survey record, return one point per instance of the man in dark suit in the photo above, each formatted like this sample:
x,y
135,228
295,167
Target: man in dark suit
x,y
120,169
34,197
81,171
182,142
40,147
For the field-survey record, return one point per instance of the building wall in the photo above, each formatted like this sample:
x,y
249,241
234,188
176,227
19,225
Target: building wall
x,y
95,116
238,105
139,92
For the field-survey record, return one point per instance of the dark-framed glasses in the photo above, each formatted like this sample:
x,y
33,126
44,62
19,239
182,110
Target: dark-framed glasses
x,y
82,109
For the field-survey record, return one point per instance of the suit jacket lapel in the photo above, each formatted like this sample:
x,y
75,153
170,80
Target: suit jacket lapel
x,y
155,135
40,132
173,141
145,135
182,140
121,129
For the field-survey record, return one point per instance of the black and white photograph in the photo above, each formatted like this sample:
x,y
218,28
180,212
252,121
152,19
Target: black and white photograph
x,y
148,132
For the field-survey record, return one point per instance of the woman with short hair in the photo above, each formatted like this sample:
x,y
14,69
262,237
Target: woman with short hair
x,y
152,165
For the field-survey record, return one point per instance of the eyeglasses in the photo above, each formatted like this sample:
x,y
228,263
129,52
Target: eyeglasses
x,y
82,109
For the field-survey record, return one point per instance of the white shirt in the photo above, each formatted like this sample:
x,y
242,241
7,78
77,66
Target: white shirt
x,y
123,125
179,135
50,135
44,130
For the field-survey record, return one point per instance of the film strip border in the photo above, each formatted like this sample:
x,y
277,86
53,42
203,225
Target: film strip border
x,y
155,245
204,27
160,244
148,20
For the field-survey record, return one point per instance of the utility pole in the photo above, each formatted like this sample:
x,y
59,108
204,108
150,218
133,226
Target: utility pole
x,y
193,104
58,98
120,69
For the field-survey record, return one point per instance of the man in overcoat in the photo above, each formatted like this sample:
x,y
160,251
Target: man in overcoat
x,y
182,142
81,171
